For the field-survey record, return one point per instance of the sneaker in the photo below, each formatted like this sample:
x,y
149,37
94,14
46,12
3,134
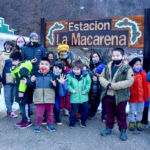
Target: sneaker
x,y
139,126
59,123
66,113
37,129
51,128
123,135
82,125
44,121
25,125
106,132
71,125
12,115
19,124
131,126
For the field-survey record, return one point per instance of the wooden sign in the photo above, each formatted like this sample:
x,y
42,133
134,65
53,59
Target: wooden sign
x,y
105,33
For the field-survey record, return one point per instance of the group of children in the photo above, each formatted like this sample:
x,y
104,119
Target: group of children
x,y
61,83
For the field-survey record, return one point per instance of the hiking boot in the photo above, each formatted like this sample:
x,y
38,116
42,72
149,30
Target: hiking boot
x,y
25,125
51,128
131,126
107,131
71,125
12,115
139,126
37,129
123,135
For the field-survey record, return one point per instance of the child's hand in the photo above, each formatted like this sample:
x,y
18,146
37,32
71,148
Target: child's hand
x,y
34,60
13,67
33,78
73,92
24,81
62,79
53,82
94,78
83,92
21,94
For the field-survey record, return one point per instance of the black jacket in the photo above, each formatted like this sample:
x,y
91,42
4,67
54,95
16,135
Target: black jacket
x,y
30,52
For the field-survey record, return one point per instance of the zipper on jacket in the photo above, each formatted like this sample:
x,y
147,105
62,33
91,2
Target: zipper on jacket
x,y
43,88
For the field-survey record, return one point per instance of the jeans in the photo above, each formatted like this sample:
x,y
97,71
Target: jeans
x,y
74,109
136,108
25,112
40,109
9,95
57,108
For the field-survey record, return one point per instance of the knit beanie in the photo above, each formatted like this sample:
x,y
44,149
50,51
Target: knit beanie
x,y
34,35
133,59
63,47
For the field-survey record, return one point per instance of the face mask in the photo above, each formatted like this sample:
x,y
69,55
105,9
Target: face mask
x,y
44,70
20,45
34,43
8,49
137,69
95,60
56,72
117,62
64,55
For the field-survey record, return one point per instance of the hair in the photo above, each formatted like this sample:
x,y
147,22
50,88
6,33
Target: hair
x,y
121,50
60,65
50,52
77,63
17,47
45,59
91,56
16,56
9,43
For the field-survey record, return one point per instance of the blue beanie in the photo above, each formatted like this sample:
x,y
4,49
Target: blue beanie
x,y
34,35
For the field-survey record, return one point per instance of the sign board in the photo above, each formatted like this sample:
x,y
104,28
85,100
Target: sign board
x,y
4,28
105,33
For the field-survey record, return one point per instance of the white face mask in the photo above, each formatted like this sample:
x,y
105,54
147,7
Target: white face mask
x,y
20,45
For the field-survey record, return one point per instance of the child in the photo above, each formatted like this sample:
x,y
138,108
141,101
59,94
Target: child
x,y
79,83
23,96
139,94
66,57
44,94
8,82
96,68
116,79
58,70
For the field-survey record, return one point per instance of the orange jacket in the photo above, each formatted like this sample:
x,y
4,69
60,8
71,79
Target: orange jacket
x,y
139,89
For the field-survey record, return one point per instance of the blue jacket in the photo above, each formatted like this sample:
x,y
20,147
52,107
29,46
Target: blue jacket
x,y
7,77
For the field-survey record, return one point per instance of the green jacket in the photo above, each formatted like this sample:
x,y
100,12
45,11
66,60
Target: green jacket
x,y
79,85
120,83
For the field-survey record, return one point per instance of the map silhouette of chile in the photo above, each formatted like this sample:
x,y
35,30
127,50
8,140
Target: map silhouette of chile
x,y
134,29
56,26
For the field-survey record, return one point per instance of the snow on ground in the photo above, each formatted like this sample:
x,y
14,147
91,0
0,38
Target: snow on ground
x,y
3,106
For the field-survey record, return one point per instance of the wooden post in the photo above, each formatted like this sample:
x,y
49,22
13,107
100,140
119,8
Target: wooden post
x,y
146,51
42,34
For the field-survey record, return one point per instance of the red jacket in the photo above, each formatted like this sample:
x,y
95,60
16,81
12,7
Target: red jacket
x,y
139,89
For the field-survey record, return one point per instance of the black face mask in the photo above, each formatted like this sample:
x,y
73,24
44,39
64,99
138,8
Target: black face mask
x,y
117,62
34,44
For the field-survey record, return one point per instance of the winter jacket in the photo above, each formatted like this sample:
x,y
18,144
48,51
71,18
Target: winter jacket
x,y
139,89
95,86
79,85
148,79
30,52
7,78
44,92
22,70
120,83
